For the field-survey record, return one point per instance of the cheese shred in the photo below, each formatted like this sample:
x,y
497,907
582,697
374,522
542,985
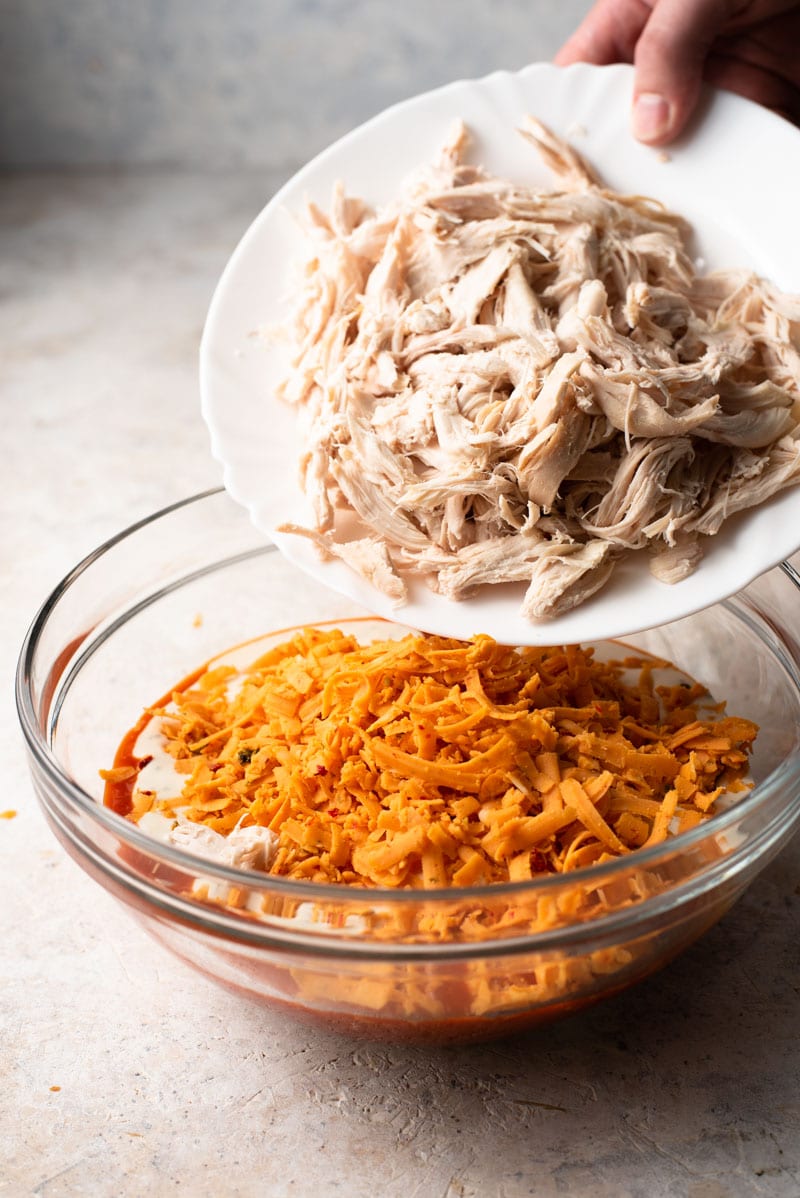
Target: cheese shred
x,y
426,762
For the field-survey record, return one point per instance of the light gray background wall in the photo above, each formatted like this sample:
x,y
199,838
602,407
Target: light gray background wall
x,y
205,83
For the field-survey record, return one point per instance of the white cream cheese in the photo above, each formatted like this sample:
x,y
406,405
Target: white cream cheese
x,y
243,848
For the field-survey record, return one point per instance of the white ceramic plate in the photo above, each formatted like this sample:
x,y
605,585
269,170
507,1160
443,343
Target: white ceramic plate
x,y
736,178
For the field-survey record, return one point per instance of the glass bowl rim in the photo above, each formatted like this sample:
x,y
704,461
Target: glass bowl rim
x,y
289,887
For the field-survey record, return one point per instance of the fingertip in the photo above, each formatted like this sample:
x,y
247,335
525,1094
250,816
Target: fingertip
x,y
580,48
653,119
566,56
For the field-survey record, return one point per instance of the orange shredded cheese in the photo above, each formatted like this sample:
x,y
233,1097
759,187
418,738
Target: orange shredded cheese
x,y
429,762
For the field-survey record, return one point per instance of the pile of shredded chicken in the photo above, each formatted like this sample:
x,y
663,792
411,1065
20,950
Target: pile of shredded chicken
x,y
428,762
515,385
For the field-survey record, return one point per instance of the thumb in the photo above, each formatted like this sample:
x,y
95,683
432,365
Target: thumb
x,y
669,60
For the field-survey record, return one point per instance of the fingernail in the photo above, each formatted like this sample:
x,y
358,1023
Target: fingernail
x,y
651,116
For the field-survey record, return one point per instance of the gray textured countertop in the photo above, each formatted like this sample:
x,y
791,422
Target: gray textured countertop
x,y
684,1086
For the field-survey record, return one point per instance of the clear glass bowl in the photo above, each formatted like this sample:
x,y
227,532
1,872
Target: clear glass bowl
x,y
155,602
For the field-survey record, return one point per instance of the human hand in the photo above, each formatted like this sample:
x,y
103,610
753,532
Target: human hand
x,y
747,46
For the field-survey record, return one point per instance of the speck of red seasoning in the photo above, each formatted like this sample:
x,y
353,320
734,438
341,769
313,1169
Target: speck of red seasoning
x,y
10,814
55,1089
538,862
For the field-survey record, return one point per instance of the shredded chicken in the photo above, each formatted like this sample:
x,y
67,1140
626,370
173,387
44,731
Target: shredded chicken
x,y
506,384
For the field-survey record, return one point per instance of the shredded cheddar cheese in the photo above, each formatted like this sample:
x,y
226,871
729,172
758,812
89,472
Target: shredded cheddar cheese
x,y
428,762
